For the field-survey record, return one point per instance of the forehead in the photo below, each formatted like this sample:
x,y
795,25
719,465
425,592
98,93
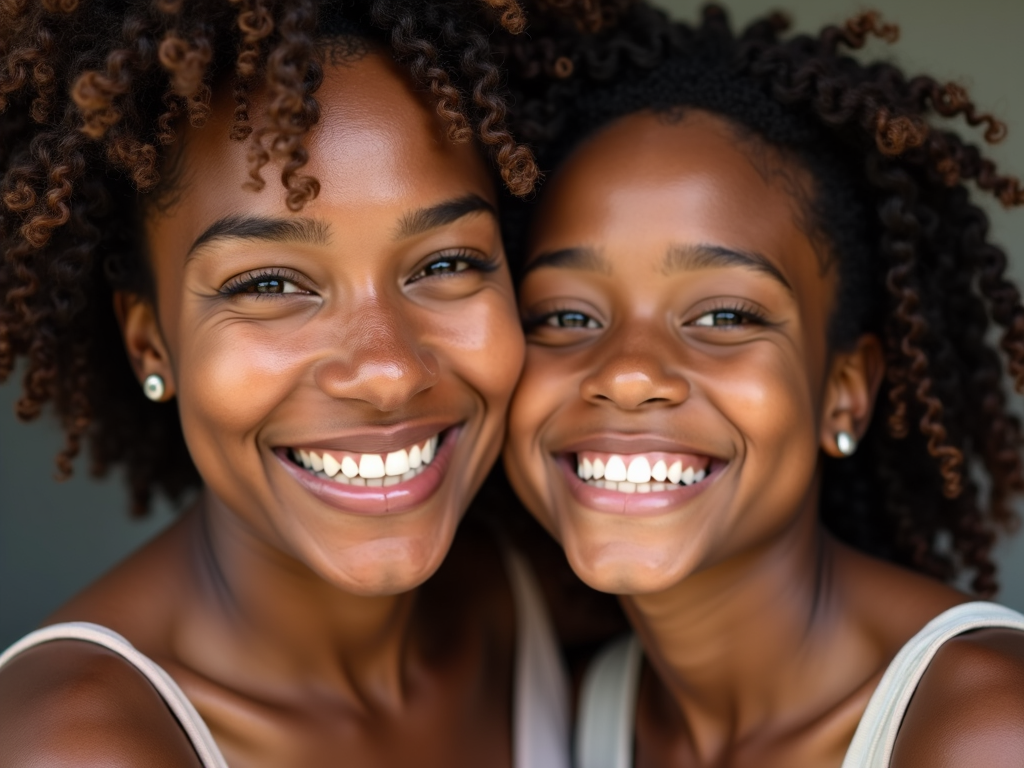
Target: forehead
x,y
645,180
378,148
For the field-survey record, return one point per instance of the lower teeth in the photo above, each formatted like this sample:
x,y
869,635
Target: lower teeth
x,y
627,487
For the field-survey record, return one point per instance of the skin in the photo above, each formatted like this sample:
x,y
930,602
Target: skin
x,y
642,336
299,629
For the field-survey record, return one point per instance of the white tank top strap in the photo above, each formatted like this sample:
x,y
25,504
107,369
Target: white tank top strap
x,y
607,708
540,717
541,704
182,709
875,737
604,728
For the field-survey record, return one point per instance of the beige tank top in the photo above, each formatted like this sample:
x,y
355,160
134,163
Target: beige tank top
x,y
604,730
540,714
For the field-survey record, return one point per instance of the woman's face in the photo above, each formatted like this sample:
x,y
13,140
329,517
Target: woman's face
x,y
669,412
342,373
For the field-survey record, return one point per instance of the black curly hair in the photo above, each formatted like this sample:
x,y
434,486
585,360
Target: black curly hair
x,y
93,94
932,482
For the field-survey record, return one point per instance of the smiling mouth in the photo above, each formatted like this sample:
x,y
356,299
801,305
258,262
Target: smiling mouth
x,y
368,469
655,472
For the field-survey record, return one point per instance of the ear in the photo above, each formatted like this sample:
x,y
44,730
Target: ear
x,y
854,378
147,350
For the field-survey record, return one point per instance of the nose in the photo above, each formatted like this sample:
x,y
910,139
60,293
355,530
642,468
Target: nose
x,y
636,373
378,359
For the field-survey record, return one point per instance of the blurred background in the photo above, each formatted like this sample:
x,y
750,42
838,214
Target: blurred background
x,y
57,537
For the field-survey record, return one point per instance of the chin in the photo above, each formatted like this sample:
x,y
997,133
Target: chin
x,y
624,568
385,566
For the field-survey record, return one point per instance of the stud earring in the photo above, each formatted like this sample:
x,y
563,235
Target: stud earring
x,y
846,443
154,387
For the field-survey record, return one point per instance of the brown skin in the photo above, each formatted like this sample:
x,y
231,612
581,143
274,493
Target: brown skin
x,y
765,636
301,632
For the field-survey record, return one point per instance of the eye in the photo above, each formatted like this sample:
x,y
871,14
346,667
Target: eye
x,y
729,317
265,283
569,319
721,317
449,264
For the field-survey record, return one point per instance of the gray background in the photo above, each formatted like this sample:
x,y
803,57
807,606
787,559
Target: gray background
x,y
55,538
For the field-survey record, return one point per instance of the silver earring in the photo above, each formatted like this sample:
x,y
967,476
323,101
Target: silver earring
x,y
846,443
154,387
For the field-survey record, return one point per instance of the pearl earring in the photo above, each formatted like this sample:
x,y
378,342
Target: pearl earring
x,y
154,387
846,443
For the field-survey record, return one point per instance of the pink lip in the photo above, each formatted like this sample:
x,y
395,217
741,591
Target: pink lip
x,y
380,440
364,500
639,504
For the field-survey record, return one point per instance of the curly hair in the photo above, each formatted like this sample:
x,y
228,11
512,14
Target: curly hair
x,y
93,95
932,482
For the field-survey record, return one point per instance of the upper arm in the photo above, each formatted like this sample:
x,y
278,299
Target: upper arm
x,y
969,707
75,704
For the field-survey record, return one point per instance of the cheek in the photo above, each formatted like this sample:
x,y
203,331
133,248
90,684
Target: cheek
x,y
233,377
544,389
483,342
771,406
540,389
764,392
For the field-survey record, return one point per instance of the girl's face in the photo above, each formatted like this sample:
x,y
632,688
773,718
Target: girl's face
x,y
677,382
342,373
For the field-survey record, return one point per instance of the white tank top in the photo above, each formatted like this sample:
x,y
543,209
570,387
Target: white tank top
x,y
540,713
604,730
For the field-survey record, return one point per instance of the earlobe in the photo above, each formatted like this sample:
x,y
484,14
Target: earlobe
x,y
854,380
145,345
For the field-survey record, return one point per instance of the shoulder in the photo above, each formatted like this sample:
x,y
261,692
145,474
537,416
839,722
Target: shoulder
x,y
73,703
969,706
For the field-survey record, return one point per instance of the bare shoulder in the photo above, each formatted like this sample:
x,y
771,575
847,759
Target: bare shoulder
x,y
969,707
70,703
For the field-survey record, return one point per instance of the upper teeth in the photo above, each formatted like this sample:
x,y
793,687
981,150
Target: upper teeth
x,y
637,470
386,469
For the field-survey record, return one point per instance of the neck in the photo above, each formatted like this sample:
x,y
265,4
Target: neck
x,y
745,639
288,622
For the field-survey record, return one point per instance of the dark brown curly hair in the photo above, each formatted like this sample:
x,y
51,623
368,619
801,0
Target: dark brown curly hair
x,y
933,479
93,94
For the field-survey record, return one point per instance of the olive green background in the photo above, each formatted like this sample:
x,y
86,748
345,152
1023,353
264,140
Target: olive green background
x,y
55,538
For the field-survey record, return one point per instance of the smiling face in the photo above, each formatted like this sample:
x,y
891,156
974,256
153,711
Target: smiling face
x,y
342,373
677,382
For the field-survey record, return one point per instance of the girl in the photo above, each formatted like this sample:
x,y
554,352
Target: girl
x,y
760,402
328,359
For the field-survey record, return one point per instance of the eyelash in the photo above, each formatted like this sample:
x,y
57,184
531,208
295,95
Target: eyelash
x,y
745,312
532,322
474,261
241,284
748,313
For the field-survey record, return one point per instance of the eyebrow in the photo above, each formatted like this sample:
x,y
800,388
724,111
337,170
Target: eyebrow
x,y
584,258
425,219
704,256
264,229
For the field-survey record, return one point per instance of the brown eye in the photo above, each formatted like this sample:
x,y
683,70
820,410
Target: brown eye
x,y
445,267
721,317
273,285
262,284
571,320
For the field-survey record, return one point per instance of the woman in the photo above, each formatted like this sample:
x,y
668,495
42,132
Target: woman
x,y
327,359
760,402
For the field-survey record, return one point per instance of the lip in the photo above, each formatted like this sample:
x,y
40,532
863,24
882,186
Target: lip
x,y
378,440
365,500
633,504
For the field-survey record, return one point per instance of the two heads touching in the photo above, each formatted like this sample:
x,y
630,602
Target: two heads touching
x,y
736,352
